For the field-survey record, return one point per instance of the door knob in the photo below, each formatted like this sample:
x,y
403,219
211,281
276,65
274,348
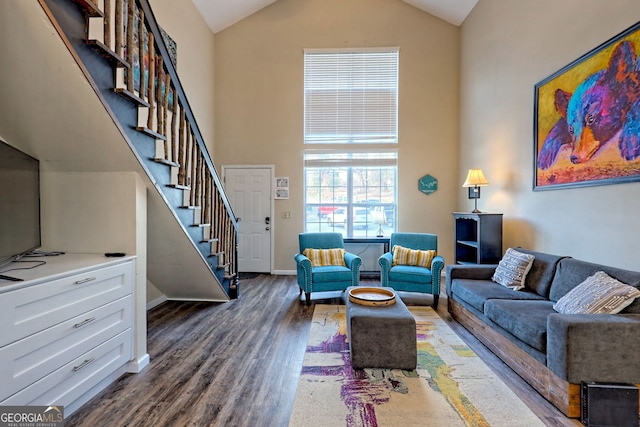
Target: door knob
x,y
267,228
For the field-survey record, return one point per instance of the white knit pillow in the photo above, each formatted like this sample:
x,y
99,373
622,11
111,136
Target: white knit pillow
x,y
513,269
598,294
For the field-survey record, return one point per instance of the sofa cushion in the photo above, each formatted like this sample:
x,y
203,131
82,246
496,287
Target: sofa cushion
x,y
542,270
477,292
525,320
512,269
598,294
571,272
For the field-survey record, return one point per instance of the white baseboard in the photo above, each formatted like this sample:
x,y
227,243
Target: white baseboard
x,y
285,272
156,302
135,366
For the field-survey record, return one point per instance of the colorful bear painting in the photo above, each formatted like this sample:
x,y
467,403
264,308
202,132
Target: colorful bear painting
x,y
588,118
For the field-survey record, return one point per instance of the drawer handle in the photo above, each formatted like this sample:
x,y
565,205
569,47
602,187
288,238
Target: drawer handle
x,y
83,364
88,279
84,322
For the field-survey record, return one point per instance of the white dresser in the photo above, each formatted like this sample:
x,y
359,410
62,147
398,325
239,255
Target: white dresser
x,y
67,329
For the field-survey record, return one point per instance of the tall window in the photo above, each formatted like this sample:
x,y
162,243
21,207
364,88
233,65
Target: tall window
x,y
353,193
351,96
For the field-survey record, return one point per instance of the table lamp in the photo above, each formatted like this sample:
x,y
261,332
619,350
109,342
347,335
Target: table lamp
x,y
475,180
380,219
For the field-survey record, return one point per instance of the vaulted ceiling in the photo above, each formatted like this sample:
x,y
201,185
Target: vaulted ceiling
x,y
220,14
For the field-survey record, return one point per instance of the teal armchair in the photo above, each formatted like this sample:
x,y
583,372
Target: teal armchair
x,y
325,278
412,278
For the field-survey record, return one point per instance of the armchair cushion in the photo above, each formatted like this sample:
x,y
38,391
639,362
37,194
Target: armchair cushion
x,y
410,273
331,274
407,256
324,257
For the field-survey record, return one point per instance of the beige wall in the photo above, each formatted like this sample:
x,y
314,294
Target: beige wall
x,y
507,47
196,45
259,101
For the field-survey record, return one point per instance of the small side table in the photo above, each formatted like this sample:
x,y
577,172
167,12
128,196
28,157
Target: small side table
x,y
371,271
478,238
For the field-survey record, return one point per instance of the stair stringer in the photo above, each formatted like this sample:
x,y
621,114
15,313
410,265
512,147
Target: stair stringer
x,y
174,265
166,226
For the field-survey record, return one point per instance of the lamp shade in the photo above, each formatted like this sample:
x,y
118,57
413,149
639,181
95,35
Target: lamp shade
x,y
379,217
475,178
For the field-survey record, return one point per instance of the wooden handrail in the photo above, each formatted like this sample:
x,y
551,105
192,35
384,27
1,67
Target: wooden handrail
x,y
162,94
152,25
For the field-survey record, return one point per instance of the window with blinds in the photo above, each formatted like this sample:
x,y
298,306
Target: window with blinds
x,y
351,96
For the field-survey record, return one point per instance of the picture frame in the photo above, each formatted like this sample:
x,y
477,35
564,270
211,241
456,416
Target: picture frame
x,y
281,190
587,118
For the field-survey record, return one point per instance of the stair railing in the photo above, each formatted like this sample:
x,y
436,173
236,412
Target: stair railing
x,y
127,33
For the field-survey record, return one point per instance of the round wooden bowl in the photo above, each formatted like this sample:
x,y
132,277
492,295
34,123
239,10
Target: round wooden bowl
x,y
372,296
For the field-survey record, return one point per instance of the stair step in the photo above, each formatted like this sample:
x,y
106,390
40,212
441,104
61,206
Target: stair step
x,y
166,162
109,54
131,97
89,8
180,187
151,132
102,56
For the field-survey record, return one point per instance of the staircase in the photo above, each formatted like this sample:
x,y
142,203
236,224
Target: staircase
x,y
122,52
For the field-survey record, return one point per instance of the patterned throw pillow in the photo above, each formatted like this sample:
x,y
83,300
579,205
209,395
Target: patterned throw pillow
x,y
598,294
324,257
513,269
406,256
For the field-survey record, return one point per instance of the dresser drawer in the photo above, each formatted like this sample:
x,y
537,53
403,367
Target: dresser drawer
x,y
32,309
27,360
71,381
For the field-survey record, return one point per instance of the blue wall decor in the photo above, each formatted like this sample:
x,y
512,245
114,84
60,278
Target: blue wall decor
x,y
428,184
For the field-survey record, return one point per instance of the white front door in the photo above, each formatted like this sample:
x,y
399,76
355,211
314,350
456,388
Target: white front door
x,y
249,191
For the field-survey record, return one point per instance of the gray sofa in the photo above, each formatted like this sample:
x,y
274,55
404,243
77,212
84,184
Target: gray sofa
x,y
553,352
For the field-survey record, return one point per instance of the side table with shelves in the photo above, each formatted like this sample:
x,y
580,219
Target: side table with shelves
x,y
478,238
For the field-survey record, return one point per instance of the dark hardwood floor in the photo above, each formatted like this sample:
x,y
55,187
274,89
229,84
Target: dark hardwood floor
x,y
238,363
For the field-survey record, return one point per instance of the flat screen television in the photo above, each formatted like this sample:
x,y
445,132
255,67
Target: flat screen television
x,y
19,204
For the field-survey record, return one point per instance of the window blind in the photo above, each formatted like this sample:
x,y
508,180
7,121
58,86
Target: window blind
x,y
351,97
350,159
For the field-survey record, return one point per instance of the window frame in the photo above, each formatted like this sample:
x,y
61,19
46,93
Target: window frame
x,y
320,211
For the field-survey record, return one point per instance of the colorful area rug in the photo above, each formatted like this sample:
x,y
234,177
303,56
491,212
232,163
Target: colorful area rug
x,y
451,386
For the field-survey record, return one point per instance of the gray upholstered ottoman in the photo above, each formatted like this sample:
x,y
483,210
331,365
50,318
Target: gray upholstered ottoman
x,y
381,337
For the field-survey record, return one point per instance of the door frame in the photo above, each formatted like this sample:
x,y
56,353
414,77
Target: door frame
x,y
271,204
